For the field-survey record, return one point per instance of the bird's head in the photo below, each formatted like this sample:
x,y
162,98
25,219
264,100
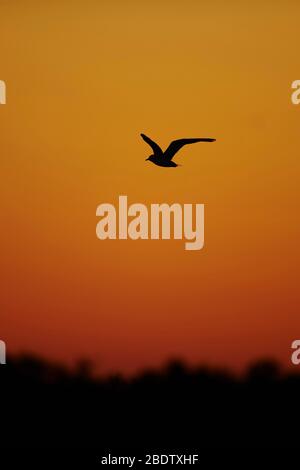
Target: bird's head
x,y
150,158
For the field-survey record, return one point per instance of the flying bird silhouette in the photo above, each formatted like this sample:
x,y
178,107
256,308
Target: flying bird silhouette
x,y
161,158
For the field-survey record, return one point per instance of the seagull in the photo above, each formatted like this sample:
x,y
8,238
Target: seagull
x,y
161,158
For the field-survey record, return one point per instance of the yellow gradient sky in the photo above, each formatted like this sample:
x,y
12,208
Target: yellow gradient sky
x,y
83,80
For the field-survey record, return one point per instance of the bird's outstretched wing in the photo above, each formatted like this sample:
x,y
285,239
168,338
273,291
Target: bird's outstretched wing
x,y
155,147
177,144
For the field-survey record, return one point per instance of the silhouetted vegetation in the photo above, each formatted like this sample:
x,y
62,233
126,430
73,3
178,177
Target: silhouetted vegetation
x,y
45,405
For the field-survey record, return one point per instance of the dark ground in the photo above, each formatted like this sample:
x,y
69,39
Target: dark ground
x,y
44,406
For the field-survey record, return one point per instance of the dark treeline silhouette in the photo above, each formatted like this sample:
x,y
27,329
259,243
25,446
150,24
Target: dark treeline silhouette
x,y
48,406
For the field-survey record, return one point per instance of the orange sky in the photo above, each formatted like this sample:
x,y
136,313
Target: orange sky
x,y
83,80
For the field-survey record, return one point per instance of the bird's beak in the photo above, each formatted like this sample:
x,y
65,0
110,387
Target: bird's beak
x,y
146,159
